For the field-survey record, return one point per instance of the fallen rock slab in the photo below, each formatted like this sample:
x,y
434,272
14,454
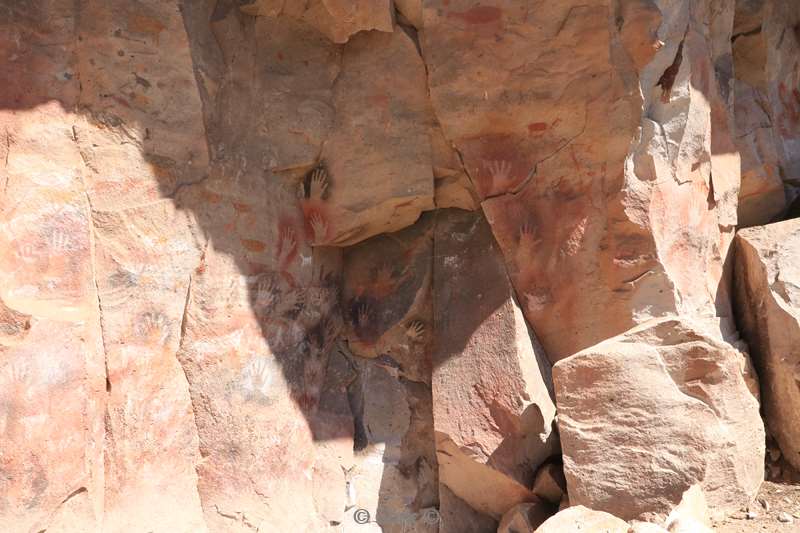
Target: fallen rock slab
x,y
647,414
767,280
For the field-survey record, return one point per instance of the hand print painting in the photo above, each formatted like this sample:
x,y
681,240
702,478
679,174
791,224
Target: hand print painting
x,y
441,266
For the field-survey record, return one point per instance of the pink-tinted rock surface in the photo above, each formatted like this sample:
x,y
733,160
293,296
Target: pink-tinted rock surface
x,y
493,414
646,415
267,264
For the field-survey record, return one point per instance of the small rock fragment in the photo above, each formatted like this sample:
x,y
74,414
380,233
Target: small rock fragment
x,y
526,517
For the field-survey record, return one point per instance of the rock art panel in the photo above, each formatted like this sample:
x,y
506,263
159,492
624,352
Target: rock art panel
x,y
768,308
493,412
646,415
386,299
53,386
143,264
575,149
51,354
338,20
379,152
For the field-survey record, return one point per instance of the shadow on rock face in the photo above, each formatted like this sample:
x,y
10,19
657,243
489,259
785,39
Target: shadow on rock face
x,y
180,183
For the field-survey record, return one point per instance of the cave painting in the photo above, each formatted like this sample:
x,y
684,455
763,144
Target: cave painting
x,y
315,211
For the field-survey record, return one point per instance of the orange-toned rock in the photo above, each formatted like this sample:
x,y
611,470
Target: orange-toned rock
x,y
378,155
646,415
768,307
337,19
550,484
570,129
492,408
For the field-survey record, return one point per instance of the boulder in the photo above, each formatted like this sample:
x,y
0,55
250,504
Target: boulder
x,y
493,413
647,414
525,517
580,518
768,307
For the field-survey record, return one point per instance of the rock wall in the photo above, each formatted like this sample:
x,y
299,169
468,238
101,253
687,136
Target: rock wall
x,y
307,265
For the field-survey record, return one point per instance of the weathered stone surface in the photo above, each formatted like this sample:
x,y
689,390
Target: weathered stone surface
x,y
337,19
411,10
761,198
52,377
580,518
525,517
647,414
594,167
767,120
691,514
492,408
223,306
393,470
457,516
768,307
143,264
377,151
550,484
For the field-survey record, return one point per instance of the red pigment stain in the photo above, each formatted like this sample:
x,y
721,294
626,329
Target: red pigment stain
x,y
479,15
380,99
120,101
212,198
280,56
534,127
253,245
241,208
574,159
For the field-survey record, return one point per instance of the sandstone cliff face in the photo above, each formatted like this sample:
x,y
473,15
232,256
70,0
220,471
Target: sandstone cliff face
x,y
306,265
